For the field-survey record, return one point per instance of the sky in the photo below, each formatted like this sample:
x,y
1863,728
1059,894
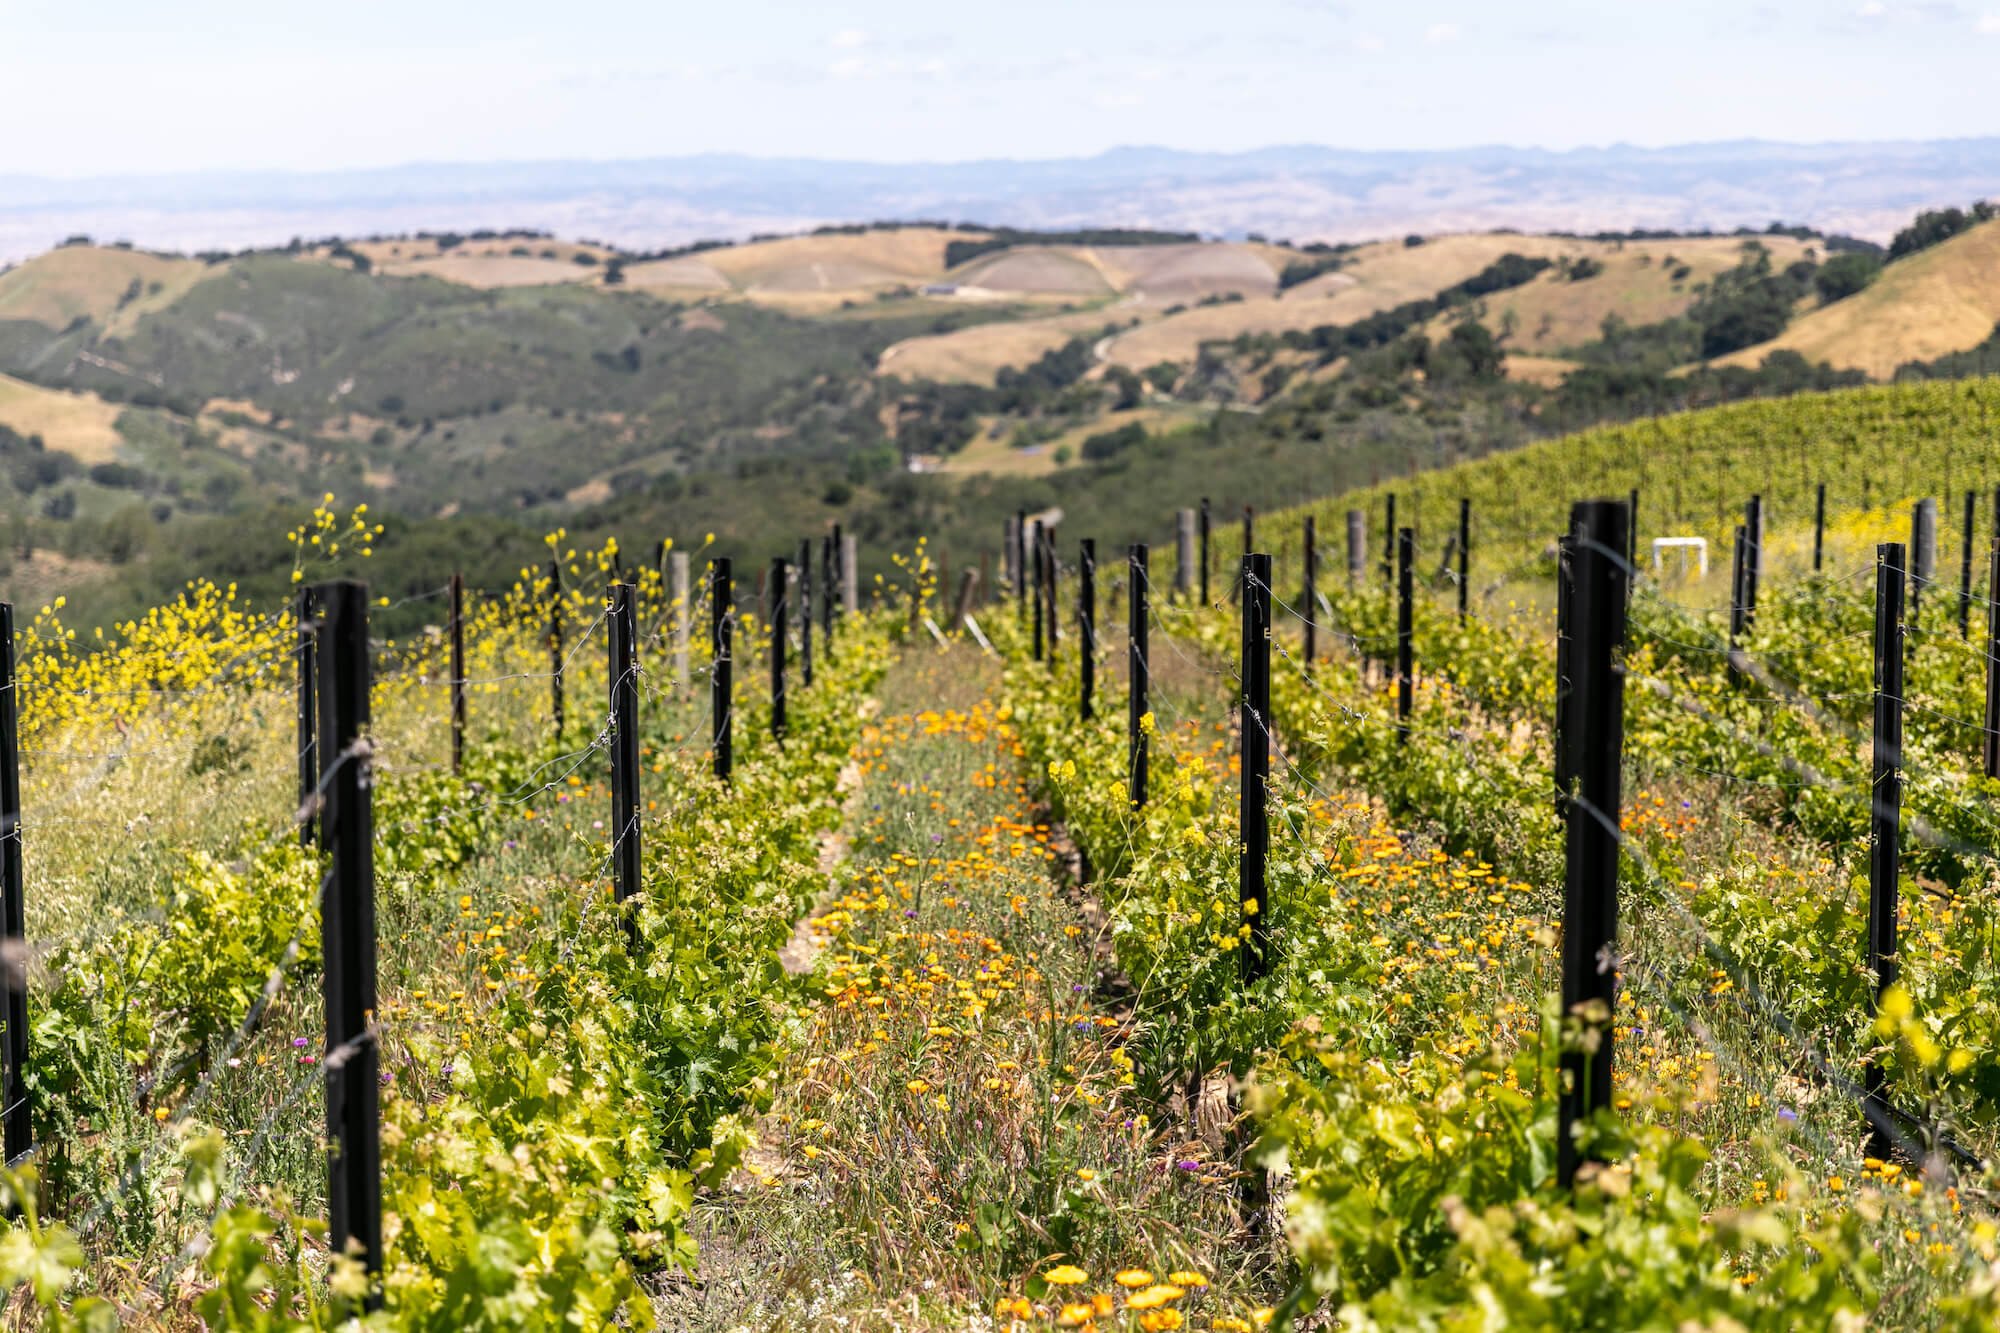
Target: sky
x,y
127,86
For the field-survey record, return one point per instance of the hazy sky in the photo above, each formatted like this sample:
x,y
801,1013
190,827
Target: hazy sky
x,y
138,85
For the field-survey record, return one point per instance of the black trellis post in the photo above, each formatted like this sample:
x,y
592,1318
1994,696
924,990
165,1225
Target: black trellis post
x,y
1086,627
1991,735
836,584
1204,550
1885,812
458,673
1738,577
556,646
19,1131
1753,558
1253,809
1565,586
721,639
624,669
1249,542
347,927
308,719
1406,557
780,574
1308,602
1138,673
806,613
1819,528
1389,537
1465,553
1594,733
1965,569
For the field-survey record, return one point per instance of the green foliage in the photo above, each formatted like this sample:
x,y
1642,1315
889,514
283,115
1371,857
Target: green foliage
x,y
1844,275
1425,1194
1750,303
1933,226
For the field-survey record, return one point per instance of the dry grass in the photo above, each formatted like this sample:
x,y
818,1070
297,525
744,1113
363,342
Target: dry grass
x,y
1038,269
956,1113
1377,277
1170,273
1941,300
78,424
987,456
88,281
1547,371
686,273
1637,285
975,355
843,262
483,270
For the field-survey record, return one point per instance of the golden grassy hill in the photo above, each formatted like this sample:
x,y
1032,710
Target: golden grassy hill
x,y
1376,277
94,282
519,261
78,424
1636,284
836,261
975,355
1940,300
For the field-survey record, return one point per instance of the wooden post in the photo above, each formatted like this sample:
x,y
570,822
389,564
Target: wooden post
x,y
1036,577
1051,569
1594,733
678,582
1309,608
850,577
1086,627
1021,563
351,1058
1357,546
969,584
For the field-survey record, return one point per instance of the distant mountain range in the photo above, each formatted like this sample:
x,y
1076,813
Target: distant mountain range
x,y
1299,192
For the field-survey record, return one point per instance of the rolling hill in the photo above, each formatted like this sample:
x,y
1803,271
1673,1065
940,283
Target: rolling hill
x,y
1940,300
500,384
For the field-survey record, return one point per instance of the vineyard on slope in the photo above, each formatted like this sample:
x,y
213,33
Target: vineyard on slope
x,y
937,1018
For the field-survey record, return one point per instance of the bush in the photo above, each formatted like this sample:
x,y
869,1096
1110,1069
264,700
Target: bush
x,y
1844,275
1111,443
